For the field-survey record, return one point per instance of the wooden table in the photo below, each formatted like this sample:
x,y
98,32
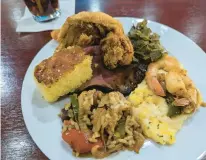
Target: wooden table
x,y
18,50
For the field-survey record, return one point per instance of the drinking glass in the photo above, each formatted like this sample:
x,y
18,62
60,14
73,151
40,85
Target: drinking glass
x,y
43,10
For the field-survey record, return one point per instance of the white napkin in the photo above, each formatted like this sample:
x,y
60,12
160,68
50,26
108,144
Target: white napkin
x,y
28,24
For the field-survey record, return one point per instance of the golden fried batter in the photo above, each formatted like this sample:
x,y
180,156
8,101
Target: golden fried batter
x,y
98,18
117,50
55,34
92,28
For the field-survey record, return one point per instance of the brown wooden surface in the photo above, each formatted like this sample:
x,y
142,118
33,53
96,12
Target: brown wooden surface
x,y
18,50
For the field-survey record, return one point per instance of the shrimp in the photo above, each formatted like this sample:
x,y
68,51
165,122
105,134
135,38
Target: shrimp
x,y
176,82
183,88
166,63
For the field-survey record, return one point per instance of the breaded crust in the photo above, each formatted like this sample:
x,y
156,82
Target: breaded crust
x,y
92,17
93,28
117,50
55,34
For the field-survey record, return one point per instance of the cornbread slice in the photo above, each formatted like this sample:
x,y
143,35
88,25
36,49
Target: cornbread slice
x,y
63,73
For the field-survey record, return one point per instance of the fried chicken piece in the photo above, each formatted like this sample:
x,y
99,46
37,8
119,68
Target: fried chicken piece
x,y
117,50
87,28
90,28
99,18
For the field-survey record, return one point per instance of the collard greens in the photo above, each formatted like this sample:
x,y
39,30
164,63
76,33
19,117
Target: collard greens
x,y
145,43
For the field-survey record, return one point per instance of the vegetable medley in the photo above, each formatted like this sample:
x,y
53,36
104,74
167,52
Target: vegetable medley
x,y
100,124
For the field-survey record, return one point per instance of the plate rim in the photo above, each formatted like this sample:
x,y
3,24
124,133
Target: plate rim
x,y
27,72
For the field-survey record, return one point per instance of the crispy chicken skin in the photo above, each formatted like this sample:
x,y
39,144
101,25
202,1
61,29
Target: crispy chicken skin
x,y
98,18
55,34
117,50
94,28
86,28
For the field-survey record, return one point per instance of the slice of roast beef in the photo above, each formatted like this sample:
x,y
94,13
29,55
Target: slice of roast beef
x,y
124,79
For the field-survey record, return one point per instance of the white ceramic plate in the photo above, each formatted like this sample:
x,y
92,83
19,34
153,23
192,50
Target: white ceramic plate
x,y
44,125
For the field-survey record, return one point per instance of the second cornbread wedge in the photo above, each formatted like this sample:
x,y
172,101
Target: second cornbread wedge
x,y
63,73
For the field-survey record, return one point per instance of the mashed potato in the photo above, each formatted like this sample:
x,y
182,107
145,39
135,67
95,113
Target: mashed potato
x,y
151,112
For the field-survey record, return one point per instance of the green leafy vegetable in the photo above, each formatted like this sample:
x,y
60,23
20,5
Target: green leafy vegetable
x,y
173,110
145,43
75,106
120,130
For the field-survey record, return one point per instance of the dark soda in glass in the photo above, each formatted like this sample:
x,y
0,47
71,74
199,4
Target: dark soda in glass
x,y
43,10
